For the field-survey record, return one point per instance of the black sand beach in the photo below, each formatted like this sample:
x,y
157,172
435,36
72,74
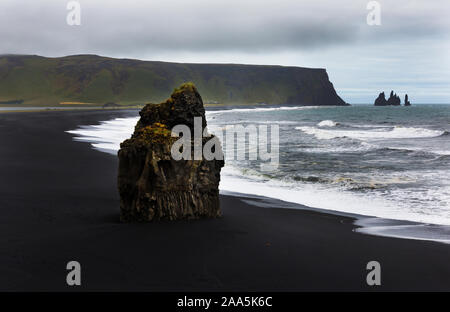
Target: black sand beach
x,y
59,202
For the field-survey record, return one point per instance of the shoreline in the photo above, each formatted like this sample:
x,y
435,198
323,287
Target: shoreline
x,y
36,109
212,107
373,224
59,203
363,224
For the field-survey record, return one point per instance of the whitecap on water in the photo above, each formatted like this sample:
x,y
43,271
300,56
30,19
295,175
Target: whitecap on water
x,y
327,123
388,133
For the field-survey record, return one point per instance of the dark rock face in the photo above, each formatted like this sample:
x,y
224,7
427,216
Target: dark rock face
x,y
153,185
314,90
381,100
407,102
394,100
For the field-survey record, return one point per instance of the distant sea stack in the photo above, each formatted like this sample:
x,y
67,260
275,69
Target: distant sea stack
x,y
154,186
407,102
95,80
394,100
381,100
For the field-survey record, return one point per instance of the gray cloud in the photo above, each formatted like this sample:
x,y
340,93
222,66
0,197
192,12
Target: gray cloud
x,y
411,44
121,27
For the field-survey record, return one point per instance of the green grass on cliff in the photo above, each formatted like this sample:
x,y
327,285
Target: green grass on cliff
x,y
95,80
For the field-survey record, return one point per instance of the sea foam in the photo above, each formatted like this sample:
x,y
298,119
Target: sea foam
x,y
108,135
327,123
381,133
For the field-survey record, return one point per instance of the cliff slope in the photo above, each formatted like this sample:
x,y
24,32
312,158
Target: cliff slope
x,y
94,80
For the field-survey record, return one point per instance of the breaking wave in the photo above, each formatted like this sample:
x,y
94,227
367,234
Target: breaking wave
x,y
386,133
327,123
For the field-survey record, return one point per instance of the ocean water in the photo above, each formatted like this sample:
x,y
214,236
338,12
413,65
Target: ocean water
x,y
392,163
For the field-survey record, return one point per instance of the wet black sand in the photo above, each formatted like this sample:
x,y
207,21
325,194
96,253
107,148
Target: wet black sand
x,y
58,202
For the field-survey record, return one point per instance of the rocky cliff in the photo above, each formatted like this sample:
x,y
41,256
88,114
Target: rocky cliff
x,y
155,186
96,80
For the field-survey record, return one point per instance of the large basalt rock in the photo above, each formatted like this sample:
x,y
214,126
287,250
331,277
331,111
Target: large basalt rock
x,y
153,185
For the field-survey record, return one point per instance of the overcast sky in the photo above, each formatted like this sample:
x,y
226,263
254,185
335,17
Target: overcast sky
x,y
408,52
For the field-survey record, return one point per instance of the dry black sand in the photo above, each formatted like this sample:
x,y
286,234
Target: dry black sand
x,y
58,202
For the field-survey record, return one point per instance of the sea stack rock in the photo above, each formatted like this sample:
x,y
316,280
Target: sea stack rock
x,y
381,100
152,184
394,100
407,102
